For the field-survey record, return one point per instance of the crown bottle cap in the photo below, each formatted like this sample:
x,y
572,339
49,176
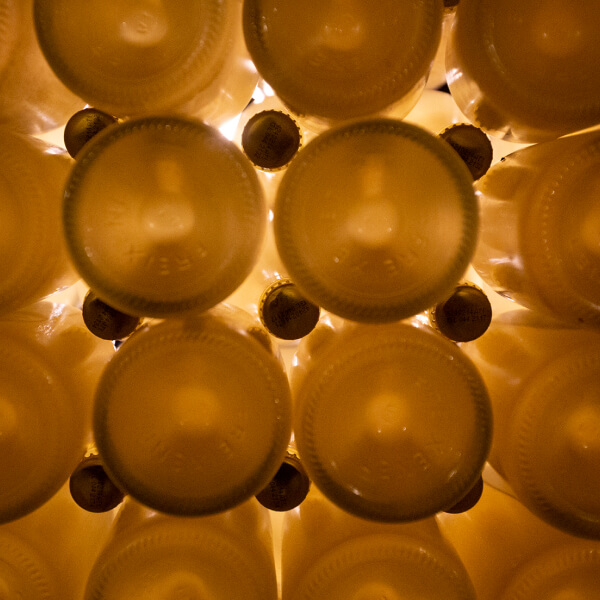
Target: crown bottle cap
x,y
469,500
285,312
472,145
464,316
270,139
104,321
288,488
92,488
83,126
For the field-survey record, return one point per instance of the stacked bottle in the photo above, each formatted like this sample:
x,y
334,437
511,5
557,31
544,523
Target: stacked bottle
x,y
33,256
192,415
376,220
329,554
32,99
510,554
533,95
540,224
151,555
49,369
48,554
150,57
464,316
163,215
543,379
347,59
393,422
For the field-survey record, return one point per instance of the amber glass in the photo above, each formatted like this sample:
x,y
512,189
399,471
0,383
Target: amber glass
x,y
163,215
149,56
33,256
347,59
192,416
152,555
49,367
544,383
376,220
539,242
511,554
328,554
32,98
393,422
524,69
48,554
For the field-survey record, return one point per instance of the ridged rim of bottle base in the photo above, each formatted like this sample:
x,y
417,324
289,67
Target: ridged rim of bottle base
x,y
16,290
365,308
564,115
550,564
547,266
392,87
7,29
242,350
251,222
207,542
29,565
541,497
411,553
340,357
43,381
126,96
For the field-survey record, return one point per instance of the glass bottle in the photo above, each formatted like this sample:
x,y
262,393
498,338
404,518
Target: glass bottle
x,y
464,316
48,554
33,258
49,367
437,75
540,228
393,422
510,554
376,220
544,383
32,99
150,56
163,215
521,69
151,555
330,554
192,415
348,59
